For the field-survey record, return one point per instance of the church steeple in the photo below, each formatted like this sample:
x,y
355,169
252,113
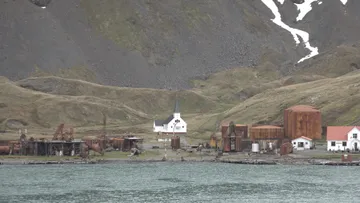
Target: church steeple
x,y
176,108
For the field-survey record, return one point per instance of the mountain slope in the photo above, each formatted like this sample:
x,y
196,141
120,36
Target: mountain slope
x,y
41,103
337,98
160,44
46,102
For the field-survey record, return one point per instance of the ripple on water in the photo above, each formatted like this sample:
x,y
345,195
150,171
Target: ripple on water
x,y
180,182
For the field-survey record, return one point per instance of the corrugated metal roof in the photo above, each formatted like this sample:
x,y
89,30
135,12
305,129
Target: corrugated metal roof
x,y
162,122
267,126
237,125
339,132
133,138
170,118
301,106
159,122
303,137
304,108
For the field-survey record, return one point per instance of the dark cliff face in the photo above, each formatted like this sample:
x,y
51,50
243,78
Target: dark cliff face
x,y
161,44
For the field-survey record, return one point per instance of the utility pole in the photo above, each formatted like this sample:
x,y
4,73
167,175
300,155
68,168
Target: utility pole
x,y
165,140
174,128
104,123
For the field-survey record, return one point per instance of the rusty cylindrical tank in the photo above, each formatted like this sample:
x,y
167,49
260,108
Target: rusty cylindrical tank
x,y
266,132
4,150
175,142
302,120
286,148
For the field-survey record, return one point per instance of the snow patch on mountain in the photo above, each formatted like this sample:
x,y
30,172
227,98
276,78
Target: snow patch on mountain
x,y
344,1
295,32
304,9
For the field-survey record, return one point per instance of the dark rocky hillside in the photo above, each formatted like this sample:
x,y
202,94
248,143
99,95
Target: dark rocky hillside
x,y
164,43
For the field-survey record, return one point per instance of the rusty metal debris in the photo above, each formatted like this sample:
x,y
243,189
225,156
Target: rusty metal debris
x,y
63,133
64,144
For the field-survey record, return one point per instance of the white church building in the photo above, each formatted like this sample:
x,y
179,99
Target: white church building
x,y
174,124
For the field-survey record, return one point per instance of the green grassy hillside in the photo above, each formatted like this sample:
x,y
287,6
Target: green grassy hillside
x,y
45,102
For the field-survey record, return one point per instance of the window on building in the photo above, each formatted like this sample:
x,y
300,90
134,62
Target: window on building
x,y
344,144
333,144
183,127
294,143
355,135
306,143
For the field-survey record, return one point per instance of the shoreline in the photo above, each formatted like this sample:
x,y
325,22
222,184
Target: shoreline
x,y
224,160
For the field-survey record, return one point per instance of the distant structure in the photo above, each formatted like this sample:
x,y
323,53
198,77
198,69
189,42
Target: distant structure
x,y
267,136
343,138
301,121
302,143
174,124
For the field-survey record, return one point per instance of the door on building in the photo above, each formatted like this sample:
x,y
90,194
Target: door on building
x,y
356,146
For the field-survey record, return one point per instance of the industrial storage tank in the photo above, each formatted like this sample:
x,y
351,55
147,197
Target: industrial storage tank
x,y
267,132
4,150
255,148
175,142
302,120
286,148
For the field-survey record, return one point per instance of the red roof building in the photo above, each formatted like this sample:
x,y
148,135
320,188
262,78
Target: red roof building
x,y
341,138
302,143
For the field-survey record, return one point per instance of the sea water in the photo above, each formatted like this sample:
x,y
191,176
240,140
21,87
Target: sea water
x,y
178,182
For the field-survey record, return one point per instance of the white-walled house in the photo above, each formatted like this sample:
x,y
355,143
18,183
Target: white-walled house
x,y
302,143
343,138
173,124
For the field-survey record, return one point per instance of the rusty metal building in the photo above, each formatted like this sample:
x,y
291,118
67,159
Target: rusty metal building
x,y
47,148
226,144
232,137
269,137
117,143
302,120
267,132
131,142
240,130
